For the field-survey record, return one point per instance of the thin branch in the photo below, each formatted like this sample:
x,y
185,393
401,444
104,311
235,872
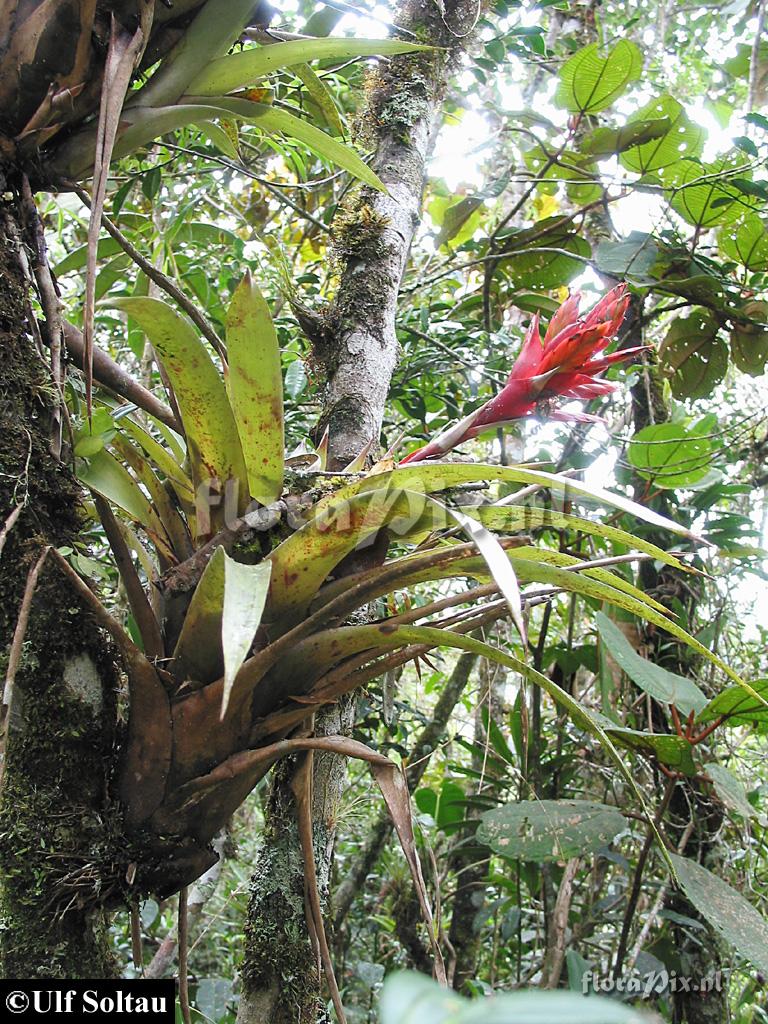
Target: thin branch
x,y
162,280
186,1013
754,60
112,376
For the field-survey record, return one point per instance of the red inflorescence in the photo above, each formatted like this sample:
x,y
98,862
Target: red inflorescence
x,y
565,364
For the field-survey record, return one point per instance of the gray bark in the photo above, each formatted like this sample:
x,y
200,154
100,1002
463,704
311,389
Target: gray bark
x,y
358,343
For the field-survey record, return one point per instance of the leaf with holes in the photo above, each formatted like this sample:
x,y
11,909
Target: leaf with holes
x,y
746,242
682,139
590,82
632,259
552,258
608,141
726,910
694,355
708,194
541,830
749,339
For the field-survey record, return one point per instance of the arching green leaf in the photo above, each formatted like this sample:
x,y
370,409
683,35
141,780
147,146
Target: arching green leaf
x,y
251,64
209,424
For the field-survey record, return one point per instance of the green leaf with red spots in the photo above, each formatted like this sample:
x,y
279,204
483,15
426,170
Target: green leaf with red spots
x,y
256,389
209,424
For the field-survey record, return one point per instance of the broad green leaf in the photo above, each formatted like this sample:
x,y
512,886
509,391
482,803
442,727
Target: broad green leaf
x,y
738,706
749,339
607,141
78,258
256,389
446,805
529,517
726,910
457,219
695,355
416,999
746,242
303,561
552,258
542,830
674,751
683,138
205,410
164,460
590,82
250,64
632,259
245,594
578,170
321,96
730,790
174,530
220,139
705,195
198,657
664,686
109,478
671,454
221,621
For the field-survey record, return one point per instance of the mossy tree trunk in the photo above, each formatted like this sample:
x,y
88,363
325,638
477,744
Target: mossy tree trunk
x,y
55,813
355,342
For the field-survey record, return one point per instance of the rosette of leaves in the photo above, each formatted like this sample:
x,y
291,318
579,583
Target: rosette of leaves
x,y
243,616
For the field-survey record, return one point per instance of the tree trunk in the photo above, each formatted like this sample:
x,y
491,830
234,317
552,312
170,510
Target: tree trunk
x,y
356,343
57,823
281,973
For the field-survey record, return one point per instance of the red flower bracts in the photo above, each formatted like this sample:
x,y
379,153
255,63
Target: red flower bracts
x,y
564,365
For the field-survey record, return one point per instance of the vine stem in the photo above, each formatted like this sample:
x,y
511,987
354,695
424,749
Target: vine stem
x,y
637,881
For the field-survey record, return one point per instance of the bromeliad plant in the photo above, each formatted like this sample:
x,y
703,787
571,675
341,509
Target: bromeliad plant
x,y
245,618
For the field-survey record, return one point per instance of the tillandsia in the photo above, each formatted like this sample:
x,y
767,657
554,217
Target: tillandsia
x,y
566,364
246,614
